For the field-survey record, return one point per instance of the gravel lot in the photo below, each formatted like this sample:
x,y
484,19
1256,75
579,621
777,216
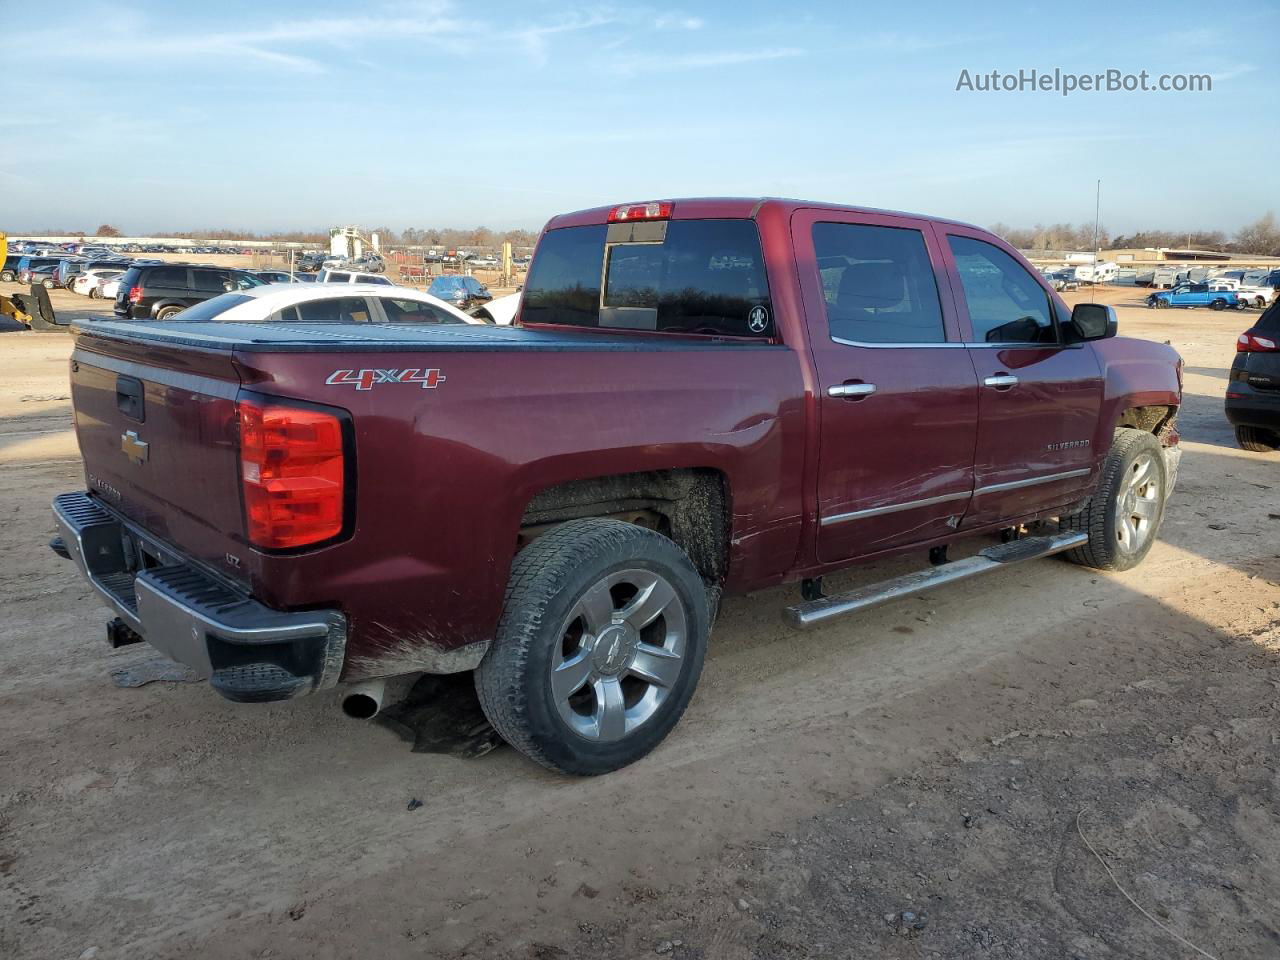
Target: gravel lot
x,y
943,757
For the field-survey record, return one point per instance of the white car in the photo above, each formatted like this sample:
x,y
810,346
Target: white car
x,y
500,310
318,303
1248,294
108,288
90,282
348,276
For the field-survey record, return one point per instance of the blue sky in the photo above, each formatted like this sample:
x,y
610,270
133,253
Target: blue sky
x,y
306,115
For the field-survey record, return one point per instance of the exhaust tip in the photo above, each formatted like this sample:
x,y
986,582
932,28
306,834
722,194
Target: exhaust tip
x,y
360,706
364,701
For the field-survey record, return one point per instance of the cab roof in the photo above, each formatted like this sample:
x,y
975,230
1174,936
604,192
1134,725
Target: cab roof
x,y
734,208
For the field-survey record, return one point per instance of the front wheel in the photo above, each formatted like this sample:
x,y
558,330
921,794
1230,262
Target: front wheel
x,y
1260,303
6,277
599,648
1257,439
1124,512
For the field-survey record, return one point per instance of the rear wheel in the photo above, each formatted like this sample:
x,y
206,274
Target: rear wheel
x,y
1124,512
94,293
47,284
1218,305
599,649
1260,302
164,313
6,276
1257,439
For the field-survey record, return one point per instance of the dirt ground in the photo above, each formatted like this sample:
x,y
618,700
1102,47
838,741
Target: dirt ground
x,y
917,782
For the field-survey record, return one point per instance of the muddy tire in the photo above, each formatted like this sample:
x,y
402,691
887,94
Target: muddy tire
x,y
1257,439
599,649
1122,517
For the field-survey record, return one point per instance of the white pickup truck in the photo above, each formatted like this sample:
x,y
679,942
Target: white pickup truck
x,y
1247,294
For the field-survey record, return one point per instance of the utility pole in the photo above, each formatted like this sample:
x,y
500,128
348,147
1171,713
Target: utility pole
x,y
1097,219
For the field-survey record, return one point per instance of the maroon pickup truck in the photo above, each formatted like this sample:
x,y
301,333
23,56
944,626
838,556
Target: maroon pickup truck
x,y
701,397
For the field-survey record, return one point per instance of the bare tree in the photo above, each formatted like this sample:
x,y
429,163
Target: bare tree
x,y
107,230
1261,236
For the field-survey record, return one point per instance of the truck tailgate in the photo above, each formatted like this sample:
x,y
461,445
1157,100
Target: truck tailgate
x,y
158,432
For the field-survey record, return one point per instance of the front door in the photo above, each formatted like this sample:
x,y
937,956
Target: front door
x,y
1039,399
897,396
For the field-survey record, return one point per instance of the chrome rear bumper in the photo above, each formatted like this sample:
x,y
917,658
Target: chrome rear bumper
x,y
248,652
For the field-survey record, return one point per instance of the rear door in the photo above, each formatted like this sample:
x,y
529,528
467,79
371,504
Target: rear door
x,y
1039,399
898,399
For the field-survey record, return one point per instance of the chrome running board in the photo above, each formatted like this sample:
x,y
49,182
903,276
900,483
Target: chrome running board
x,y
814,612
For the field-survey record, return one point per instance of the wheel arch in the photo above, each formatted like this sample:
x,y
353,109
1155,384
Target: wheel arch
x,y
690,505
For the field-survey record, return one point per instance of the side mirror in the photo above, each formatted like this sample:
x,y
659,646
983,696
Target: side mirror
x,y
1091,321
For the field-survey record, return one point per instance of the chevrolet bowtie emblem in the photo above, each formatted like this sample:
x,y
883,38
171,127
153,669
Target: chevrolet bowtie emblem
x,y
136,450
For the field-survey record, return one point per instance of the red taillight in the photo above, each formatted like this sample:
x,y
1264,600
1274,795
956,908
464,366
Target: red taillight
x,y
1250,342
657,210
293,469
135,294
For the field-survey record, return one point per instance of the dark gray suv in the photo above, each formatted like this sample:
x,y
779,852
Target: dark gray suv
x,y
158,291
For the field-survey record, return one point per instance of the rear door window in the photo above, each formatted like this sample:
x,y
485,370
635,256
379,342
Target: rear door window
x,y
677,276
878,284
338,278
1006,305
334,310
415,311
210,281
168,277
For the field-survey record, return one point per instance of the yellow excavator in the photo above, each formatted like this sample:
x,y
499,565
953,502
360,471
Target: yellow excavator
x,y
33,310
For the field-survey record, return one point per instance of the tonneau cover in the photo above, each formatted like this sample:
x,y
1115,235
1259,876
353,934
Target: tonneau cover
x,y
375,337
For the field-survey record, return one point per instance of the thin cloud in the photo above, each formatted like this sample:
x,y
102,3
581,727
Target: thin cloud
x,y
629,66
678,21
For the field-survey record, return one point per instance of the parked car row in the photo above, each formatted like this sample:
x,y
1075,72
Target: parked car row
x,y
1215,294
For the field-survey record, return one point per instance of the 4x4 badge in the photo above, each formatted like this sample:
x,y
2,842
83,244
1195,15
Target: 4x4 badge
x,y
365,379
138,451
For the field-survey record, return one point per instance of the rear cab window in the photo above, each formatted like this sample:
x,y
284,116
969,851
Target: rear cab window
x,y
668,276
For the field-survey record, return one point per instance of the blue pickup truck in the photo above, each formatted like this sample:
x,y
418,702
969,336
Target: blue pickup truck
x,y
1194,295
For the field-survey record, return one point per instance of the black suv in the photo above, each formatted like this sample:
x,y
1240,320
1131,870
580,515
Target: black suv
x,y
1253,392
158,291
9,269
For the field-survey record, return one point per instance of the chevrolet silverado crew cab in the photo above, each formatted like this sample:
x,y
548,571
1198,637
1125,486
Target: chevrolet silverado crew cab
x,y
701,397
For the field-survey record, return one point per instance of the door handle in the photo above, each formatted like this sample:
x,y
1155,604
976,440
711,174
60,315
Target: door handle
x,y
1002,381
851,391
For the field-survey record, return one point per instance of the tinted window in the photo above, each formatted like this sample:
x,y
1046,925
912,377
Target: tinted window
x,y
381,281
415,311
338,278
679,276
335,310
210,280
212,307
878,284
1005,304
167,277
563,285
